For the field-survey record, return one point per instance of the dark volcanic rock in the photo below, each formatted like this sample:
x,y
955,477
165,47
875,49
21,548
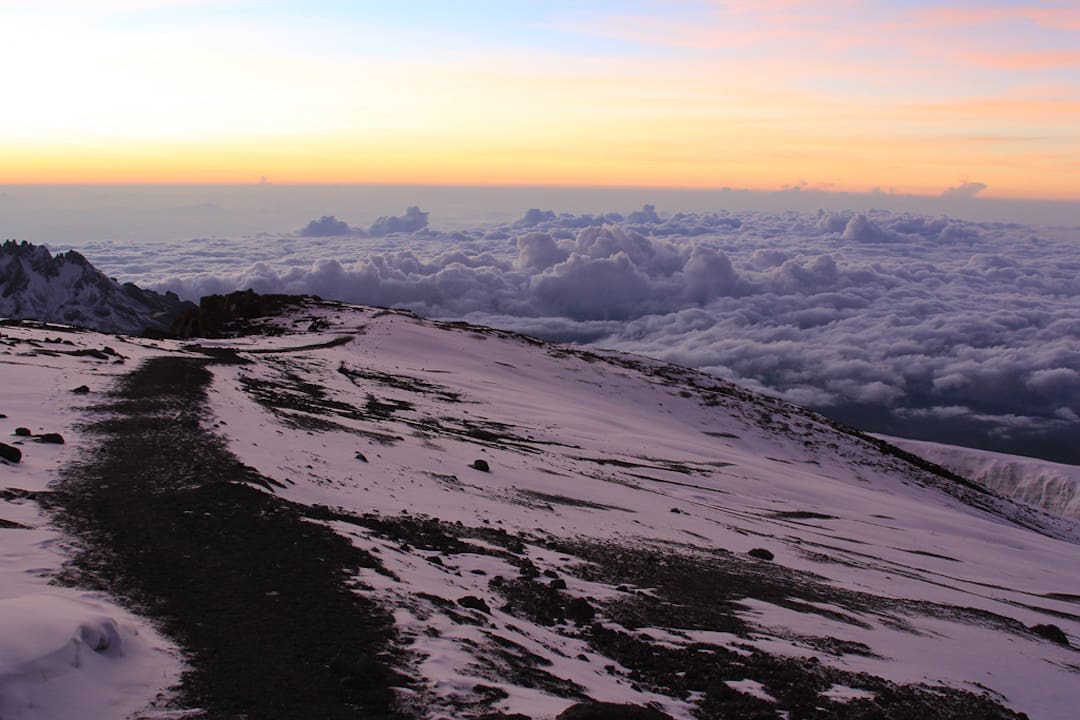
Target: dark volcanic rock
x,y
611,711
23,431
580,610
220,315
81,390
50,438
480,465
761,554
1052,633
475,603
9,453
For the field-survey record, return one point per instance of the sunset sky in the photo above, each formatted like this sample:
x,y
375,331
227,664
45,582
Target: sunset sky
x,y
905,96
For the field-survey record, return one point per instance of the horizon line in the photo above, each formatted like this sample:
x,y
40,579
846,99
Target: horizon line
x,y
793,190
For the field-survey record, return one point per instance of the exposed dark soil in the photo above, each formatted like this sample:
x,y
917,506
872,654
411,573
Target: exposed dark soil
x,y
665,589
255,593
689,593
304,404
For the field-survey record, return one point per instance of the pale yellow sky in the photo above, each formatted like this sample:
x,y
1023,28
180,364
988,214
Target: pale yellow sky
x,y
908,96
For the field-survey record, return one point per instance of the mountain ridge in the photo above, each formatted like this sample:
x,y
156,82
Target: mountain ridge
x,y
67,288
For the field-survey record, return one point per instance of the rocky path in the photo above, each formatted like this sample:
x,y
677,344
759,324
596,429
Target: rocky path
x,y
257,595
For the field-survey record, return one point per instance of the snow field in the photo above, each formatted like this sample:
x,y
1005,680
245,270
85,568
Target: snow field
x,y
579,447
64,653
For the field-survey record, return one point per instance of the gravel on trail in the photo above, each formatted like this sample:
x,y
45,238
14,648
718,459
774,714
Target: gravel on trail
x,y
256,594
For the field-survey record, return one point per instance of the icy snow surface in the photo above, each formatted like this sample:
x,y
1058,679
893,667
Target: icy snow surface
x,y
1049,485
64,653
617,448
595,462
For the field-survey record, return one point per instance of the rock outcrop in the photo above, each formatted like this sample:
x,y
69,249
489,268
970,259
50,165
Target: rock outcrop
x,y
223,315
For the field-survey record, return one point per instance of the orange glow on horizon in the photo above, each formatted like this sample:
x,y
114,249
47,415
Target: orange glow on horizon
x,y
917,166
808,103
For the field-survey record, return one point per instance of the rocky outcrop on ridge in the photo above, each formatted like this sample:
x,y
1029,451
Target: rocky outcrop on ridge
x,y
224,315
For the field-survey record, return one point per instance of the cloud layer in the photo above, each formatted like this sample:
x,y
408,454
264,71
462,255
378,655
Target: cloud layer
x,y
895,322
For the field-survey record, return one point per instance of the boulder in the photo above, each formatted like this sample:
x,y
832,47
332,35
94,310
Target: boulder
x,y
580,611
611,711
23,431
474,603
480,465
50,438
9,453
1052,633
761,554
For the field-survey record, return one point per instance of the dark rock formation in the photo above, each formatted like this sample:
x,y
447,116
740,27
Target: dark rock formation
x,y
474,603
224,315
9,453
761,554
611,711
480,465
1052,633
579,610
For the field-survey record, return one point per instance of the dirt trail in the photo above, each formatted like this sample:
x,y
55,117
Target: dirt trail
x,y
167,519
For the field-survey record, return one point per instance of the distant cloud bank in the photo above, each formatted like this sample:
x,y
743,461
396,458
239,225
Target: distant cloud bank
x,y
895,322
412,221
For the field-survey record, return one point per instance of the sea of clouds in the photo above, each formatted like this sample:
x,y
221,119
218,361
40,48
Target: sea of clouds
x,y
933,328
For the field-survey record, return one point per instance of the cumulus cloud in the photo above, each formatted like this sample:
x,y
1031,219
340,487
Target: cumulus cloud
x,y
965,190
893,322
412,221
1056,383
535,216
861,229
327,226
539,251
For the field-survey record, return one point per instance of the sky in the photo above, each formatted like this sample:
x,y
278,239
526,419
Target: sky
x,y
903,97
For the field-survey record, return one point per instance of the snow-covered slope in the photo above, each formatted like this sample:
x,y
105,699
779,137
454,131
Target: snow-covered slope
x,y
65,288
544,525
65,652
1051,486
